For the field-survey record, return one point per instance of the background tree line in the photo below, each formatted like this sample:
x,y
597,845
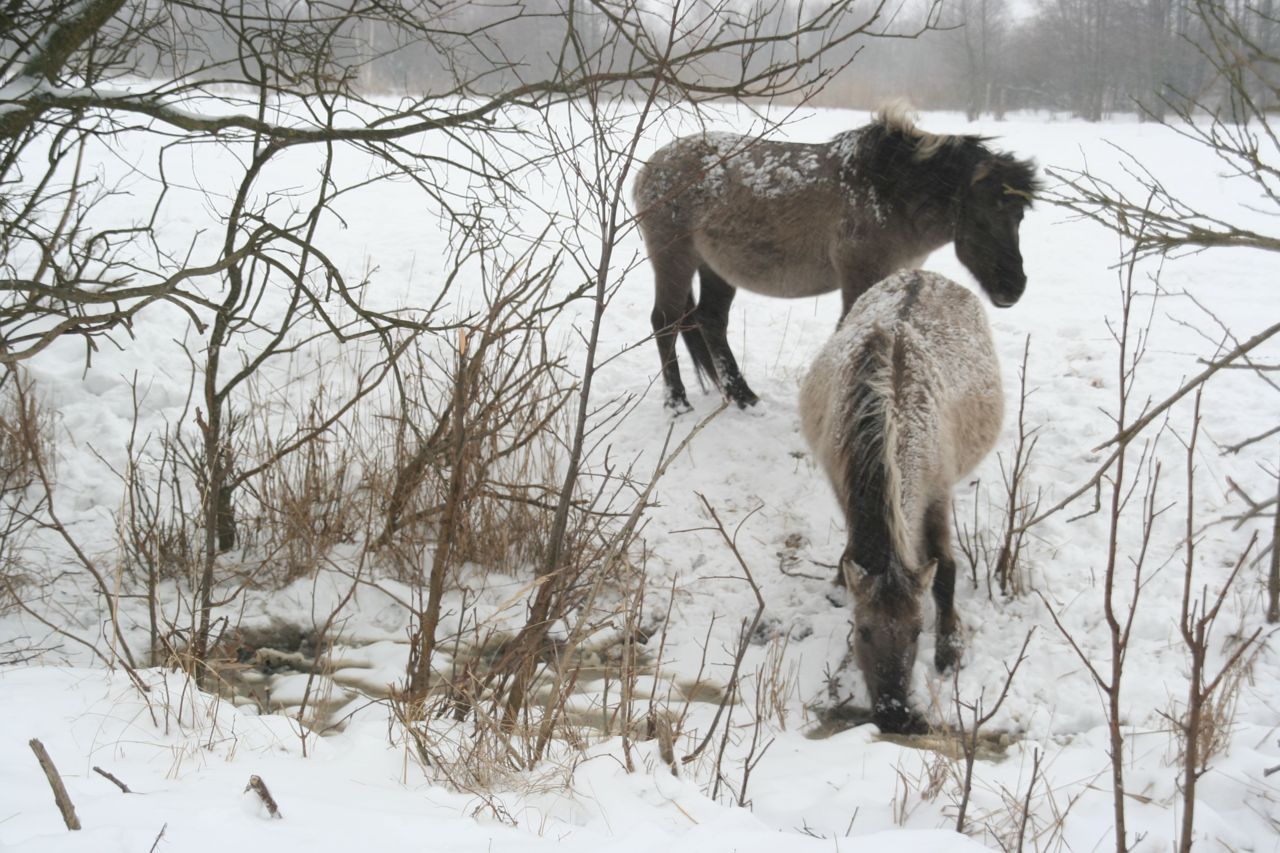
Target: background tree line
x,y
1091,58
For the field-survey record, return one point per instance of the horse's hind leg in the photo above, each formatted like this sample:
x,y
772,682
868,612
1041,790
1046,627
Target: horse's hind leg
x,y
712,317
672,305
938,547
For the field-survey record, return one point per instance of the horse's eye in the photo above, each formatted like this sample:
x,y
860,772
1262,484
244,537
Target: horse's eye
x,y
864,634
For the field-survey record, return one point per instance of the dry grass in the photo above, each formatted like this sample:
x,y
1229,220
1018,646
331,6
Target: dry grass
x,y
26,432
26,450
309,502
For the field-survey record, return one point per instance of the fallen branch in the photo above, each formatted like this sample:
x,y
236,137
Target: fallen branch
x,y
122,786
60,795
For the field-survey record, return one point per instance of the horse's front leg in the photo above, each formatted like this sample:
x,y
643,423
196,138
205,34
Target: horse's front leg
x,y
938,547
856,279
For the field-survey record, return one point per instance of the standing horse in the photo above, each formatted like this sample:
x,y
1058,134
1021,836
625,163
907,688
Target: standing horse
x,y
788,219
903,401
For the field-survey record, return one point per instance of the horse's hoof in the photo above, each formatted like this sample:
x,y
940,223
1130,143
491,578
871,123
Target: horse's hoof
x,y
677,404
738,392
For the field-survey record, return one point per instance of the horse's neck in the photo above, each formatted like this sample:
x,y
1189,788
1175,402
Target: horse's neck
x,y
934,215
934,227
884,531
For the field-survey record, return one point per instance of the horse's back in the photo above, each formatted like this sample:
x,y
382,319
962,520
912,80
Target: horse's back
x,y
761,214
932,338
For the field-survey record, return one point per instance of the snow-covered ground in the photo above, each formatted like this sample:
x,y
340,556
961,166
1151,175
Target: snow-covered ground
x,y
188,756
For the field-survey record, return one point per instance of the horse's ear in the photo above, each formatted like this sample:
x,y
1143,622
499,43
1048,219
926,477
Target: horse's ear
x,y
981,171
853,571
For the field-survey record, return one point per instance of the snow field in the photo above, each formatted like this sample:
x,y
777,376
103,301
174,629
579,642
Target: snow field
x,y
851,790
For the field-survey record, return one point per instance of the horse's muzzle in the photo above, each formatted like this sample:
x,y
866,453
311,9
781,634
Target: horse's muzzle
x,y
1009,294
894,717
1011,287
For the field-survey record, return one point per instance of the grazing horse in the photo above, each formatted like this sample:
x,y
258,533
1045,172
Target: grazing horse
x,y
903,401
789,219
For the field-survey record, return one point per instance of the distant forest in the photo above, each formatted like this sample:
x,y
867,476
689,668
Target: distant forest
x,y
1089,58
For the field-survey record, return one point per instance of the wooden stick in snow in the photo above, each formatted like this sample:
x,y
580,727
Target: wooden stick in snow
x,y
260,788
60,795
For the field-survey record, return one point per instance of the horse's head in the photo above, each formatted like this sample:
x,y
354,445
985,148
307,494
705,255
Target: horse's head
x,y
887,618
990,211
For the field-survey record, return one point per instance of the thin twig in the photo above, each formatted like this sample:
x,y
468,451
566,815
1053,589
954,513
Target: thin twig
x,y
1026,803
1273,574
159,836
1127,434
744,639
124,789
969,744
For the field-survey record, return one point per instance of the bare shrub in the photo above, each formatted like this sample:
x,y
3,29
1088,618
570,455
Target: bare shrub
x,y
1019,506
979,716
158,530
1127,476
1206,715
479,426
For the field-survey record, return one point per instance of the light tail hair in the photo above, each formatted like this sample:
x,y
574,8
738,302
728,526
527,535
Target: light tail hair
x,y
873,482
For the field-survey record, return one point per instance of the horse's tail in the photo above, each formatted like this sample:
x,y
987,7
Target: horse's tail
x,y
869,444
704,365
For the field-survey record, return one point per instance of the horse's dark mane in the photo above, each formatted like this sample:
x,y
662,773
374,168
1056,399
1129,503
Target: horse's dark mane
x,y
873,500
902,162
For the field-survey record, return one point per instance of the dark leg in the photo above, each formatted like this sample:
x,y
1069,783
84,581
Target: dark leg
x,y
712,317
857,279
938,547
673,303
